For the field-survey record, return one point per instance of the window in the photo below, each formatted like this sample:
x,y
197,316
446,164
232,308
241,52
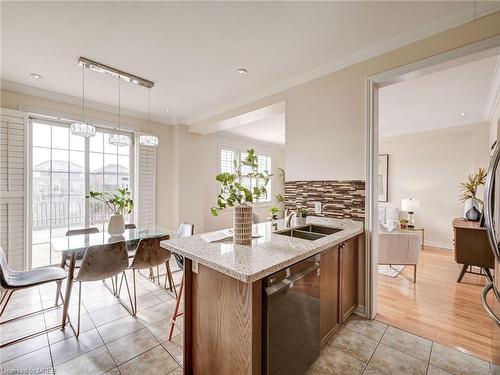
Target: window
x,y
64,169
228,155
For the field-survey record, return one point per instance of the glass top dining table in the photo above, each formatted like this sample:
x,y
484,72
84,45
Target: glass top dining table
x,y
72,245
82,241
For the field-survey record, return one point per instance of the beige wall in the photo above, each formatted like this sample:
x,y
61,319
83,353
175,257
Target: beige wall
x,y
198,165
429,166
325,118
164,180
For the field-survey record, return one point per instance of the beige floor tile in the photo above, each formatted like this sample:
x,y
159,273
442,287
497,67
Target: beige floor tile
x,y
14,310
373,371
332,361
56,335
72,347
114,371
370,328
108,314
38,359
24,347
354,344
393,362
95,362
147,300
405,342
457,362
177,371
119,328
161,329
175,348
155,314
436,371
22,327
153,362
132,345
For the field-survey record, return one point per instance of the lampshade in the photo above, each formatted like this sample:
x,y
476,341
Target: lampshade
x,y
148,140
410,204
119,140
82,129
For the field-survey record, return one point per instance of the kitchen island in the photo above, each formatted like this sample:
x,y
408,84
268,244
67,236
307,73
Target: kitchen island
x,y
223,290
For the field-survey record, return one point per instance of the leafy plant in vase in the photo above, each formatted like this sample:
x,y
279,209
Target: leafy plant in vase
x,y
302,214
120,202
234,194
468,192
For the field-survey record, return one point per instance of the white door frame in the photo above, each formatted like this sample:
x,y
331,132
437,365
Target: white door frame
x,y
485,48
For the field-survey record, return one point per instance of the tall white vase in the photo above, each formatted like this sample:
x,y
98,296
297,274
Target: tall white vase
x,y
116,225
242,225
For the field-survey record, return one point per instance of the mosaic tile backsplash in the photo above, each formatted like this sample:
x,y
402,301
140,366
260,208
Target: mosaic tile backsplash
x,y
339,199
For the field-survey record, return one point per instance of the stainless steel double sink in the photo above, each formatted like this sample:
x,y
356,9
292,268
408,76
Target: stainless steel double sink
x,y
309,232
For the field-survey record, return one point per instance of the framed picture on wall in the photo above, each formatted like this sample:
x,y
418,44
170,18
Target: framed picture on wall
x,y
383,173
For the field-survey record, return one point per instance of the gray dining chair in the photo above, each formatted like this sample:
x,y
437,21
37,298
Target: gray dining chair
x,y
150,254
102,262
185,230
65,258
12,281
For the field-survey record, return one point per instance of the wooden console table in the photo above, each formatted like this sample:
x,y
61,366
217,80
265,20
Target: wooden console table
x,y
471,248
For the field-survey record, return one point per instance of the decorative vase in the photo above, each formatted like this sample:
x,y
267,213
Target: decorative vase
x,y
242,225
471,209
116,226
299,220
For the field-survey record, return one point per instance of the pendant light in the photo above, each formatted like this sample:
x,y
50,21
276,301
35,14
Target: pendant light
x,y
149,139
119,139
82,128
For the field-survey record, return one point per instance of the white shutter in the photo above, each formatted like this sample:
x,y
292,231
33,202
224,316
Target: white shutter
x,y
146,186
13,187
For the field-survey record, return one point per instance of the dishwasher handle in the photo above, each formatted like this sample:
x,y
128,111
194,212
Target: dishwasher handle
x,y
289,281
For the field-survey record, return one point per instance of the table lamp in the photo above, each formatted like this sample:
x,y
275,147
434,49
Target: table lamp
x,y
410,205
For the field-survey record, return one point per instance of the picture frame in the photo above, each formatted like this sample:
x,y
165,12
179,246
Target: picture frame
x,y
383,178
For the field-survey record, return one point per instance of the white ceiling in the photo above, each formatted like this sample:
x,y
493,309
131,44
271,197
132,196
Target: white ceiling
x,y
270,130
436,101
192,50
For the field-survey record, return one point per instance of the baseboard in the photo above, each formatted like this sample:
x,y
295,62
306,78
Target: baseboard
x,y
360,310
442,245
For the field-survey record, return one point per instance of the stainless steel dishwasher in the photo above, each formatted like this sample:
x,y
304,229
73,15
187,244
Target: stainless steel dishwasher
x,y
291,336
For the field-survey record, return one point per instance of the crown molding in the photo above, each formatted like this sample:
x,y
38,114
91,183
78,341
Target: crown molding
x,y
494,95
76,101
402,40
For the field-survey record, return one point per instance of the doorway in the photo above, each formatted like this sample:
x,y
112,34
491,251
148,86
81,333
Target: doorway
x,y
477,51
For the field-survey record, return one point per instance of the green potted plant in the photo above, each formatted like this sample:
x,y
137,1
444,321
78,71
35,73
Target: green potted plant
x,y
233,193
274,213
468,192
120,202
302,214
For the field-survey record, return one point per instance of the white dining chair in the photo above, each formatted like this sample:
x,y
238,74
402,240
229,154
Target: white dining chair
x,y
12,281
102,262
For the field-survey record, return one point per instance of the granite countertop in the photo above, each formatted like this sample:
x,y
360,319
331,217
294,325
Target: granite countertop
x,y
267,254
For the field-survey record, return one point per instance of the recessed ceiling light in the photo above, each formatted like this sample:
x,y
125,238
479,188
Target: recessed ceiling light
x,y
241,72
35,75
463,114
167,110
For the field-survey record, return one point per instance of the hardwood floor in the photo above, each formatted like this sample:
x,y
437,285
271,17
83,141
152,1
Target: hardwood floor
x,y
437,307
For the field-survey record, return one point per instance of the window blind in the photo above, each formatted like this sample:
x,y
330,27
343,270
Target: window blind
x,y
12,187
146,186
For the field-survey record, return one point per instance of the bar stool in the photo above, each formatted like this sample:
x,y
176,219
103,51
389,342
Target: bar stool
x,y
149,254
12,281
185,230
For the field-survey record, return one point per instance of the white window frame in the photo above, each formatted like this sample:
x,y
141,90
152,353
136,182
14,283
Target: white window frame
x,y
49,119
238,153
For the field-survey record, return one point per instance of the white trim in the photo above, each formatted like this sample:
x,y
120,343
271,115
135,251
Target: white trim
x,y
440,25
418,68
494,94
